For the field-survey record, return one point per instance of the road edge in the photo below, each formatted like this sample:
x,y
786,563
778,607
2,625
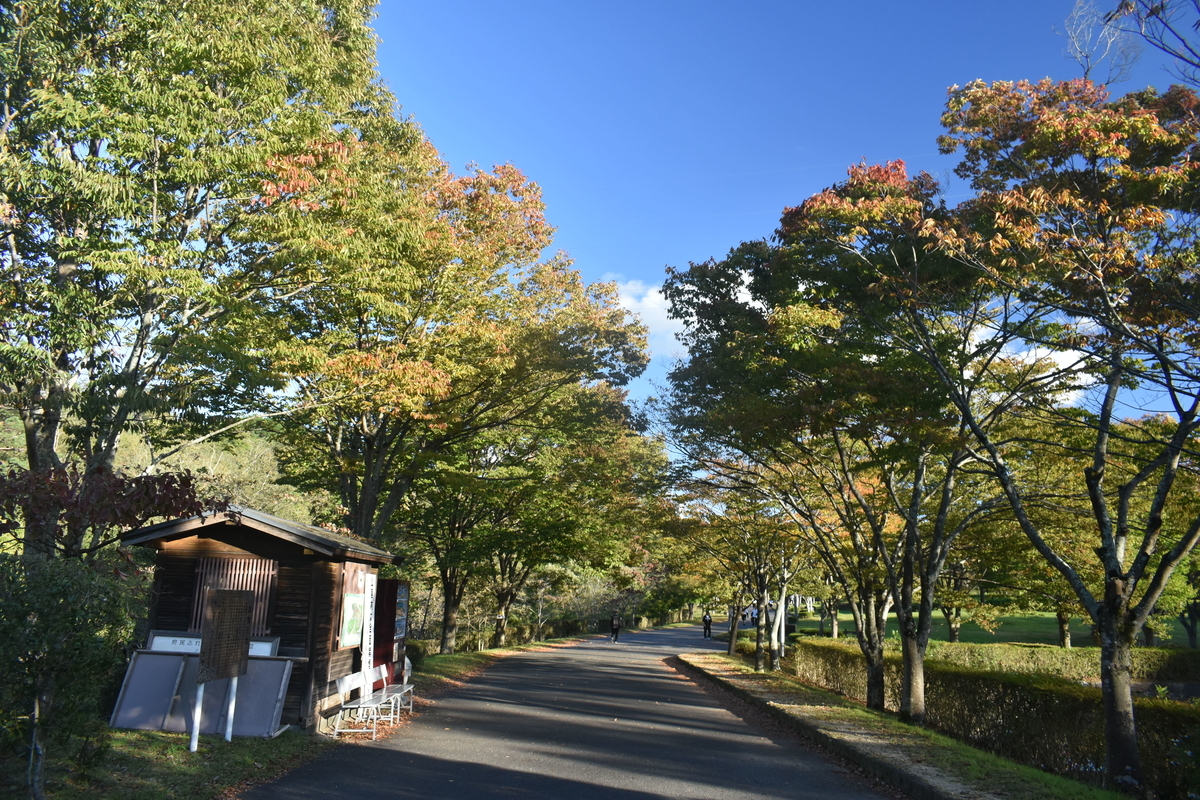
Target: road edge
x,y
862,756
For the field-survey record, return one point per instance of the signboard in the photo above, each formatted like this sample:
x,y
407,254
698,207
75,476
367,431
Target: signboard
x,y
174,643
401,610
225,639
368,630
353,606
190,643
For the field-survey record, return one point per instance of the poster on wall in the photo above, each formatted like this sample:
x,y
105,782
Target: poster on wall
x,y
401,610
353,616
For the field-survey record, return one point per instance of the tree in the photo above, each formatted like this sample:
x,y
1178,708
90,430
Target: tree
x,y
757,547
137,213
78,514
1085,206
1075,258
478,342
583,498
1092,41
63,626
798,381
1166,25
65,614
567,486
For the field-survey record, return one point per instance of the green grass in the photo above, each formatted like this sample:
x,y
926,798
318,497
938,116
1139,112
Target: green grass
x,y
438,672
149,765
973,767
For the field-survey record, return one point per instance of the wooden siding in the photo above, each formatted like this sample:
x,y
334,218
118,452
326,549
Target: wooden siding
x,y
305,614
175,581
254,574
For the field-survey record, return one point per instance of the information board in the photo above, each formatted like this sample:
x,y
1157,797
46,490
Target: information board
x,y
225,638
401,610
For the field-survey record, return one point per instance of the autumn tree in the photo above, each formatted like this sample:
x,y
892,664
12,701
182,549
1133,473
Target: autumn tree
x,y
1084,210
816,396
567,486
393,385
1076,258
757,546
140,145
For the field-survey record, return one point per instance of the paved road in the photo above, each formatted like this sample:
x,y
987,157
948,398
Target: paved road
x,y
592,721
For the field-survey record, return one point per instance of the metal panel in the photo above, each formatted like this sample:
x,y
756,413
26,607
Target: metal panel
x,y
150,685
159,693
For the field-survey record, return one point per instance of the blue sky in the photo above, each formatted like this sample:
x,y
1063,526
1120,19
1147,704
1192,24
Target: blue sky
x,y
664,132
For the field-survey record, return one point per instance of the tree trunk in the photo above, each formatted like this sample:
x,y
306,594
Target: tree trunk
x,y
504,601
449,627
733,630
1149,635
1189,618
454,589
760,628
1064,629
499,635
875,680
43,701
779,630
953,623
1120,729
912,692
830,607
870,607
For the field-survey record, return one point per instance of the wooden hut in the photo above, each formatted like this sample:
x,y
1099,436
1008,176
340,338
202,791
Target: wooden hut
x,y
313,591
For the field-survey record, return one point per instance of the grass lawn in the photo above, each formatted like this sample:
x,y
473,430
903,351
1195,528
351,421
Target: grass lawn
x,y
147,765
153,765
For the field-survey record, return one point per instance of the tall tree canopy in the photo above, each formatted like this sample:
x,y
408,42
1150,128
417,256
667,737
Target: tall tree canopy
x,y
141,201
1070,274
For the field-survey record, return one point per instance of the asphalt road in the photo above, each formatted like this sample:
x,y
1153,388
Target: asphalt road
x,y
591,721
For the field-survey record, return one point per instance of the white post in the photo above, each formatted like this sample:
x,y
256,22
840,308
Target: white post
x,y
196,718
229,711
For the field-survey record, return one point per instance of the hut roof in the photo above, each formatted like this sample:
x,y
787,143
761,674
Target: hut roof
x,y
317,539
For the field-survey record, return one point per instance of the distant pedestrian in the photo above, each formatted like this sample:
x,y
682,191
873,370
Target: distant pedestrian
x,y
754,617
617,624
707,625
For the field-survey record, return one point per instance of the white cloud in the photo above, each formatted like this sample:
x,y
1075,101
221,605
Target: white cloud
x,y
649,304
1066,365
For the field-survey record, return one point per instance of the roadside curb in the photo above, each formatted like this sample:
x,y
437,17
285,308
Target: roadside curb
x,y
862,753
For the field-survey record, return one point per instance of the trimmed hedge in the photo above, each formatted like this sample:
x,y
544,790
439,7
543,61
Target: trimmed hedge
x,y
1154,664
1040,720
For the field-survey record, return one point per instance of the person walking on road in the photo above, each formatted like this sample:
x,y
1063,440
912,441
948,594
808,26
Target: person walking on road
x,y
617,624
707,625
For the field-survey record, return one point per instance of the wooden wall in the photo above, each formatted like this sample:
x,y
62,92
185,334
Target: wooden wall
x,y
306,610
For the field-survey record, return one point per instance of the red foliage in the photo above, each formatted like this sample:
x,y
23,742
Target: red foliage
x,y
84,511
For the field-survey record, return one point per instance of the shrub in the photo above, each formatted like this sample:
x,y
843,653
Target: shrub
x,y
417,649
1044,721
63,627
1156,664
